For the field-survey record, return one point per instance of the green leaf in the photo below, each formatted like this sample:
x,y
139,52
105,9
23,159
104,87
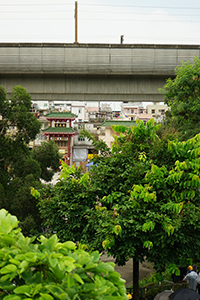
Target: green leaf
x,y
12,297
51,242
117,229
148,244
69,245
23,289
90,266
78,278
7,285
56,290
70,280
8,269
58,273
53,261
35,193
46,296
96,256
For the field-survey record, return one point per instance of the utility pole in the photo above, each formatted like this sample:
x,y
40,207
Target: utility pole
x,y
76,21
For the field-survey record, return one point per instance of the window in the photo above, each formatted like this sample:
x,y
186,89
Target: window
x,y
81,139
61,143
41,137
153,111
79,111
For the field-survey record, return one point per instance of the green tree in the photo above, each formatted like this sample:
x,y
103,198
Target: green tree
x,y
122,160
49,270
64,207
48,157
182,95
157,218
15,112
19,201
21,168
146,189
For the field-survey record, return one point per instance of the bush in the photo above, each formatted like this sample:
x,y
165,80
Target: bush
x,y
47,269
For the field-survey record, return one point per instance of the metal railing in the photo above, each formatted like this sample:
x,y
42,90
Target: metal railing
x,y
151,289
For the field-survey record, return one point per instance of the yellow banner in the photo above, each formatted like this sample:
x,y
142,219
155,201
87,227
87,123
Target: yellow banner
x,y
91,156
62,151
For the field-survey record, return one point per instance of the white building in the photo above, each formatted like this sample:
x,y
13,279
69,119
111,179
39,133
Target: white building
x,y
79,109
157,111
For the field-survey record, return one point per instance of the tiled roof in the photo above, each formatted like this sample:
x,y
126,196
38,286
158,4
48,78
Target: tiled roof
x,y
61,115
59,130
109,123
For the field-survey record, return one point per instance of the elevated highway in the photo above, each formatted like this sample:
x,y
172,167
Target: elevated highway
x,y
91,72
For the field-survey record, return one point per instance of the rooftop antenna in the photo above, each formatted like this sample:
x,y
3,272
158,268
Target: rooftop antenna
x,y
76,22
122,39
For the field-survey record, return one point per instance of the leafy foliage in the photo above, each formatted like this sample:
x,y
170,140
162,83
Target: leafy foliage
x,y
19,167
145,190
49,270
153,198
182,95
64,208
48,157
20,202
129,159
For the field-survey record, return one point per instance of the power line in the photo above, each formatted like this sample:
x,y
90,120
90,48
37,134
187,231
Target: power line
x,y
102,20
99,12
134,13
89,37
97,5
141,20
140,6
35,4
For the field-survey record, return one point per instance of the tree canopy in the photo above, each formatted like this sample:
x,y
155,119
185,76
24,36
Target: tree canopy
x,y
64,208
21,168
15,112
144,190
48,269
48,157
149,217
182,95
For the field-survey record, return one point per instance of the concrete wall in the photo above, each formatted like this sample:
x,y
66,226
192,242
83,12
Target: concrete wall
x,y
87,88
94,72
94,58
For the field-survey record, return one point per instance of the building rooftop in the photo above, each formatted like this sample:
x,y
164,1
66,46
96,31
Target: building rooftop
x,y
61,115
108,123
59,130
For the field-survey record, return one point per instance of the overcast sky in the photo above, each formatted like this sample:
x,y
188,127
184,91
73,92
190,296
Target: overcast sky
x,y
101,21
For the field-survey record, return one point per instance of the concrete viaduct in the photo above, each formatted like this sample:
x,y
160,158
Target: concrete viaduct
x,y
91,72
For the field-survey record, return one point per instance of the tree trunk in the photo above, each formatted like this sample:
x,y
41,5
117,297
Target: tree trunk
x,y
136,279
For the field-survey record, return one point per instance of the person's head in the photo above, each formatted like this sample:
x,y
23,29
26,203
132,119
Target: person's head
x,y
190,268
